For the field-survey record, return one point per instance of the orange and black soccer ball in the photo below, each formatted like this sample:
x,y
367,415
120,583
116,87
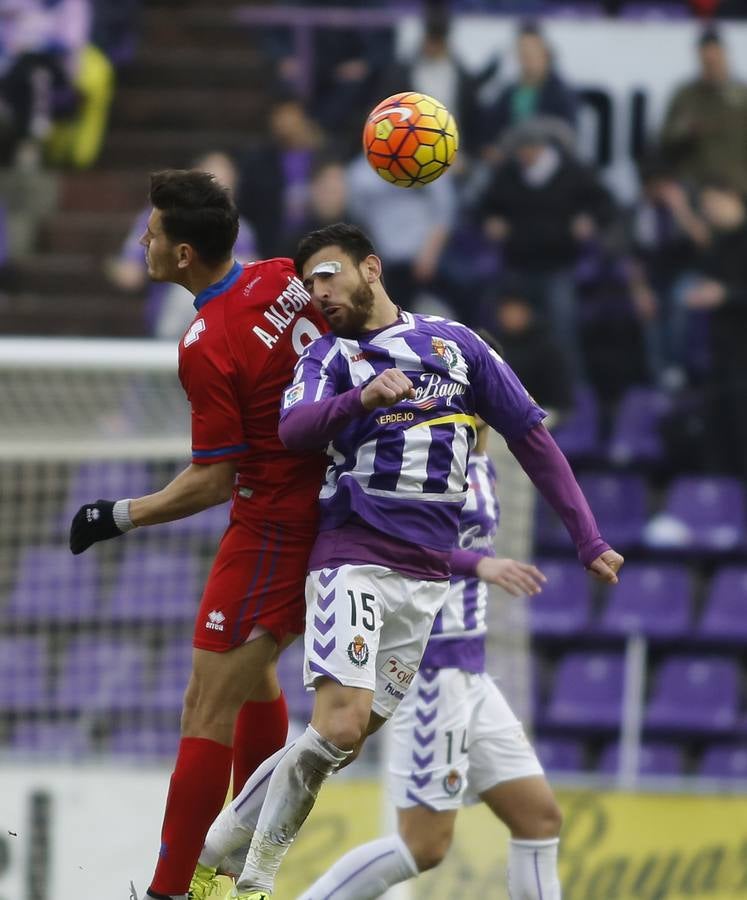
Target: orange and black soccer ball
x,y
410,139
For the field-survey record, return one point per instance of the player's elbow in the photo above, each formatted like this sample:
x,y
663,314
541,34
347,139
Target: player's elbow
x,y
293,438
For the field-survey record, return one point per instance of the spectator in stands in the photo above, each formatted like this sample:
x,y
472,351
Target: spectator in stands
x,y
327,200
410,229
538,91
532,351
274,177
722,290
705,129
542,206
436,71
40,45
169,309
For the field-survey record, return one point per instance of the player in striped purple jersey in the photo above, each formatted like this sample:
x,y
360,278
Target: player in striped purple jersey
x,y
455,739
393,397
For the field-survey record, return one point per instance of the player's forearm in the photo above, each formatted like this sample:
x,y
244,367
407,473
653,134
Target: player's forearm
x,y
194,489
545,464
314,425
464,562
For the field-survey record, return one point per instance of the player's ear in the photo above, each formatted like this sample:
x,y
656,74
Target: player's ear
x,y
184,255
372,268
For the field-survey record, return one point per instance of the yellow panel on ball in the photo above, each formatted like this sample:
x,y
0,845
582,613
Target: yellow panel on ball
x,y
383,129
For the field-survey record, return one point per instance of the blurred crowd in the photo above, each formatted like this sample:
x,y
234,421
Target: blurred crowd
x,y
522,238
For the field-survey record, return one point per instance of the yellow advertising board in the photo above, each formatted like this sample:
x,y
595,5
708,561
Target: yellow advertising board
x,y
615,846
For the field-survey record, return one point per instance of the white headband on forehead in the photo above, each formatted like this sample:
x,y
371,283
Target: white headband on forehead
x,y
330,267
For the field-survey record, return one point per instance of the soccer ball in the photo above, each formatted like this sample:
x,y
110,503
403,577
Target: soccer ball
x,y
410,139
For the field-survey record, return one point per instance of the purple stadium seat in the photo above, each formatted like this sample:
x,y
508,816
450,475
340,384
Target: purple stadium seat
x,y
105,478
53,584
23,673
560,754
290,672
173,669
564,606
102,675
619,506
587,691
146,743
654,759
652,599
642,11
725,614
210,523
724,761
578,435
50,739
700,513
694,694
635,434
550,533
156,585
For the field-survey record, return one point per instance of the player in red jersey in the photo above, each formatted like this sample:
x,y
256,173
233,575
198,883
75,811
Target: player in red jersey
x,y
235,359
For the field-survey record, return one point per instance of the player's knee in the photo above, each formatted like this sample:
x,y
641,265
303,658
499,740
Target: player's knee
x,y
347,732
544,823
428,850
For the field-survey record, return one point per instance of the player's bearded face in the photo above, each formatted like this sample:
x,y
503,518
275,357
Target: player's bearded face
x,y
352,317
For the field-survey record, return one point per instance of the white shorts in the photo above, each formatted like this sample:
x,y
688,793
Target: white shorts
x,y
455,736
367,627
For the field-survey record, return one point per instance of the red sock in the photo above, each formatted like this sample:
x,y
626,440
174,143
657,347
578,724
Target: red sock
x,y
261,729
197,793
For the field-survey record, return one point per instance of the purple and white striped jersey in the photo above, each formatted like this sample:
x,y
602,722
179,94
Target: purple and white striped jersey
x,y
458,635
403,470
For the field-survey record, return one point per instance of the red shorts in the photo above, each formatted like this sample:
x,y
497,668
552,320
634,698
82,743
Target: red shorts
x,y
257,579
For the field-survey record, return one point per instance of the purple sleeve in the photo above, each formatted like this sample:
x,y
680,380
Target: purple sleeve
x,y
313,425
544,463
464,562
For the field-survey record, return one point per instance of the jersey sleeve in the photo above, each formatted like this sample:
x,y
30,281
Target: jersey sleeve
x,y
315,377
500,398
217,434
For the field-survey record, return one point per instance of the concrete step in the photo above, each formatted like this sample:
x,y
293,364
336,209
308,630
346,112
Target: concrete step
x,y
62,315
183,108
96,233
103,191
199,67
61,273
209,25
153,149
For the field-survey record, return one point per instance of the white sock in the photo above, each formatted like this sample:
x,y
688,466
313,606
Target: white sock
x,y
366,872
290,797
235,825
533,870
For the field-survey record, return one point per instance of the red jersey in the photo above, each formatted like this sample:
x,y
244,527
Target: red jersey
x,y
235,360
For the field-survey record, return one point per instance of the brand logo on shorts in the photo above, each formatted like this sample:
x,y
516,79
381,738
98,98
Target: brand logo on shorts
x,y
452,783
358,651
215,620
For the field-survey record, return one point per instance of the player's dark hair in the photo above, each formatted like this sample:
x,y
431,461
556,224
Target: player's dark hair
x,y
349,238
196,210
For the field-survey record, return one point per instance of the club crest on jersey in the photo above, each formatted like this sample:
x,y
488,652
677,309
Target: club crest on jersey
x,y
446,351
452,783
358,651
293,395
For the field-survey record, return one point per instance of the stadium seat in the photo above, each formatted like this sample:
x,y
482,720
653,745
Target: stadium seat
x,y
619,505
700,513
654,11
578,435
23,673
173,669
155,585
724,761
587,691
145,743
102,675
564,606
724,616
694,694
635,434
105,478
654,759
290,673
54,585
52,739
560,754
653,599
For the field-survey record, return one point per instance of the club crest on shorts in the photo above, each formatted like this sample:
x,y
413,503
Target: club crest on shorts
x,y
446,351
358,652
452,782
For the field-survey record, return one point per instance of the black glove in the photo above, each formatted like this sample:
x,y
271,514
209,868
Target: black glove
x,y
93,522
